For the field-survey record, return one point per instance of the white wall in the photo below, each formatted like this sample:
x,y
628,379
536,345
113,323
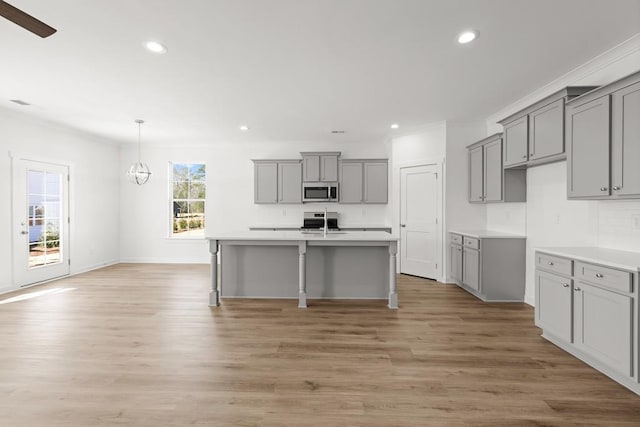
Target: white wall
x,y
427,146
94,190
548,218
229,206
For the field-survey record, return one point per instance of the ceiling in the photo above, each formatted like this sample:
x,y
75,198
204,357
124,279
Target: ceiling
x,y
293,69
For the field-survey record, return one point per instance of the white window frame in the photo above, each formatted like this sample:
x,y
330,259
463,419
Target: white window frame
x,y
170,234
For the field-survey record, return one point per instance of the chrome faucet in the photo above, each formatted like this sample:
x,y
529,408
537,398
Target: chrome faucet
x,y
325,222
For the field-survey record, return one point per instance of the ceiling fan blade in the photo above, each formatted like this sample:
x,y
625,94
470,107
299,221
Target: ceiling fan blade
x,y
25,20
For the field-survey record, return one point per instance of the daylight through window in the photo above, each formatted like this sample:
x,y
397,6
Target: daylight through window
x,y
188,199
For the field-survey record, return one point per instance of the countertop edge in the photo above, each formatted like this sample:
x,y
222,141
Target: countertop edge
x,y
574,253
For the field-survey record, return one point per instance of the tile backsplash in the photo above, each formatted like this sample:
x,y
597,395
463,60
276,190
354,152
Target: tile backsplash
x,y
619,224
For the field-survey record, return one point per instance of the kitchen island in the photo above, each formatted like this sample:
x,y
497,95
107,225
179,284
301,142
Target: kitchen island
x,y
290,264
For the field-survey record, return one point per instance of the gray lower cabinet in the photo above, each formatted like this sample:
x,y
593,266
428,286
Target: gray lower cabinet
x,y
536,134
277,181
363,181
490,267
591,311
488,181
603,142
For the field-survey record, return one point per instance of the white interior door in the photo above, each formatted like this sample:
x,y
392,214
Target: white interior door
x,y
419,207
40,221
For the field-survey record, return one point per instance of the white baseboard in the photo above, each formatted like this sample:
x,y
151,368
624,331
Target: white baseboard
x,y
530,299
94,267
161,261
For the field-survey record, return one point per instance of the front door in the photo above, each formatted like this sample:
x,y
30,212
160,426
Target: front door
x,y
419,207
40,221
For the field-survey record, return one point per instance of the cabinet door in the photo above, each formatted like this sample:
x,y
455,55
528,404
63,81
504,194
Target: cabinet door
x,y
546,131
471,268
476,176
516,135
625,141
604,329
588,149
553,311
311,168
375,182
329,168
290,182
350,190
455,260
493,171
265,182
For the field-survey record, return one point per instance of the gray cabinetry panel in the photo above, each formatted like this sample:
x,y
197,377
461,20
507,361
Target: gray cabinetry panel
x,y
375,182
455,265
493,172
516,142
351,182
546,131
625,141
476,175
588,146
329,168
471,268
290,182
603,326
553,308
311,168
265,182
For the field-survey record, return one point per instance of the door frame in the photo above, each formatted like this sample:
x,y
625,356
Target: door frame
x,y
16,156
439,164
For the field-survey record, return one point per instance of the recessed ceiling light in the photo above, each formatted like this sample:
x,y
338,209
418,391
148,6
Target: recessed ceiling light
x,y
395,126
155,47
244,128
467,36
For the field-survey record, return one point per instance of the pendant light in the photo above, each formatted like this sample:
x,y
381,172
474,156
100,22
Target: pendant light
x,y
139,172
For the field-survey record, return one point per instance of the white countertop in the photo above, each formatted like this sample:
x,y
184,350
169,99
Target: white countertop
x,y
486,234
610,257
346,236
276,226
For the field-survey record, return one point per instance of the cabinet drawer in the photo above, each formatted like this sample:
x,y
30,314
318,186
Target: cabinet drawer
x,y
605,276
471,242
456,238
553,263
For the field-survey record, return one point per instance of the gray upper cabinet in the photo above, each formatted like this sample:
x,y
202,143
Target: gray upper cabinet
x,y
536,134
351,182
320,167
363,181
493,173
488,181
476,175
603,142
290,182
588,143
625,141
277,181
516,144
546,131
375,181
265,174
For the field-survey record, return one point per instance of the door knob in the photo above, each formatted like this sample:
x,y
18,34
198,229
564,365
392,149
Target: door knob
x,y
24,232
403,225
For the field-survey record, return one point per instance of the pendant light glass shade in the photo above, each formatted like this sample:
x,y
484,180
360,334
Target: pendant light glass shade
x,y
139,172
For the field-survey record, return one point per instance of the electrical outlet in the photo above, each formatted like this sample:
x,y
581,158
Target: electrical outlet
x,y
635,221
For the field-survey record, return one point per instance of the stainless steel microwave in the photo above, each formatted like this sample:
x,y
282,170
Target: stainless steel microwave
x,y
320,192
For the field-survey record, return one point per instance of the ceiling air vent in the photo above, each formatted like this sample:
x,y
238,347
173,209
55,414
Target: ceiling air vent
x,y
19,102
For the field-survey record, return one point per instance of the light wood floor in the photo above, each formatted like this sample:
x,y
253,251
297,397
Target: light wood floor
x,y
138,345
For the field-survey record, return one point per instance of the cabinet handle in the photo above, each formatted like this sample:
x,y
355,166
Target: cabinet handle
x,y
576,289
603,188
530,154
565,285
550,263
616,188
599,276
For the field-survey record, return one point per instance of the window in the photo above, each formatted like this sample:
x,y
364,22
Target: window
x,y
188,192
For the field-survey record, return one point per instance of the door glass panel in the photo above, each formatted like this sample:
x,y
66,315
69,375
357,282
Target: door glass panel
x,y
44,217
